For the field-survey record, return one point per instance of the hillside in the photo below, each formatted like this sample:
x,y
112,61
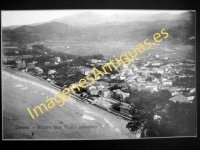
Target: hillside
x,y
30,34
104,35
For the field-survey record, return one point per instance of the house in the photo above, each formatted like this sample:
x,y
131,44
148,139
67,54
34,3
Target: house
x,y
56,63
113,76
174,93
86,71
152,88
21,64
125,110
131,75
106,93
166,58
84,94
5,60
39,70
190,98
94,60
167,82
122,77
124,66
69,60
35,62
179,98
30,66
58,59
18,61
163,79
154,69
156,64
93,92
142,67
102,102
51,72
139,80
135,69
47,63
119,94
90,87
29,47
160,71
192,90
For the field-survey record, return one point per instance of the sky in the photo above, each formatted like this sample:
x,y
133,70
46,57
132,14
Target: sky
x,y
36,16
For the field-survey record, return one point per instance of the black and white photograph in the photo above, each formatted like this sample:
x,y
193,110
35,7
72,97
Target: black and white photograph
x,y
98,74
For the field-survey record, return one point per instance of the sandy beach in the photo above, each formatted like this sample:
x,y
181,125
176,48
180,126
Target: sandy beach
x,y
74,120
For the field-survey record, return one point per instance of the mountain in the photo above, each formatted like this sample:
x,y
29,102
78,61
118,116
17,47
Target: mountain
x,y
92,33
29,34
89,19
11,27
47,29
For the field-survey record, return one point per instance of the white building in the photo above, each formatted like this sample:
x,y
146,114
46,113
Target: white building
x,y
58,59
167,82
190,98
51,72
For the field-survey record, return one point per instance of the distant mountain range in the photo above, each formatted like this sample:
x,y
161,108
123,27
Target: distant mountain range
x,y
94,28
89,19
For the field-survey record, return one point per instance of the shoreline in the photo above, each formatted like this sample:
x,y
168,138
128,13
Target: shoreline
x,y
102,115
31,76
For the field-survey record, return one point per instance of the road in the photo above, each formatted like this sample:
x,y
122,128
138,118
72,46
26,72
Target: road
x,y
66,122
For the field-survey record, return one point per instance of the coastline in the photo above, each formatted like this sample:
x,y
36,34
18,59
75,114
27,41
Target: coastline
x,y
114,123
35,78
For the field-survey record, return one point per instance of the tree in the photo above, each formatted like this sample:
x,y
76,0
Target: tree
x,y
176,119
157,75
149,79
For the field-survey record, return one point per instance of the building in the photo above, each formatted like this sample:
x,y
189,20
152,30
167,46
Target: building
x,y
90,87
58,59
93,92
122,77
47,63
10,49
160,71
156,64
139,80
30,66
152,88
21,64
118,94
38,70
86,71
105,93
190,98
113,76
166,58
94,60
125,110
192,90
51,72
179,98
167,82
18,61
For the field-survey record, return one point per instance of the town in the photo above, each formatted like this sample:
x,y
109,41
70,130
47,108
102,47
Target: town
x,y
115,90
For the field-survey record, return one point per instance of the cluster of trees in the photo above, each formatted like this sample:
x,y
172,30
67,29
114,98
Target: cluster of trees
x,y
187,81
97,56
177,119
156,75
149,79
